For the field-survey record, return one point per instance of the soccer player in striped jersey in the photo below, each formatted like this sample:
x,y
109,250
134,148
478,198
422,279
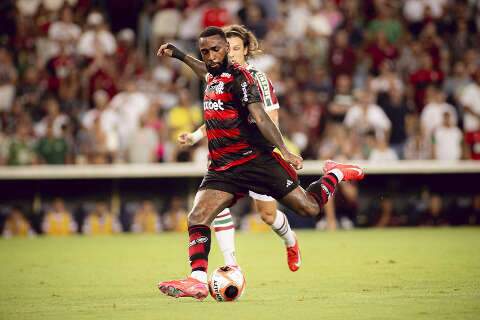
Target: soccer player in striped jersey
x,y
241,138
244,45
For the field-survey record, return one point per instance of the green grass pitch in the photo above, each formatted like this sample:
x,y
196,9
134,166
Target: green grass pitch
x,y
362,274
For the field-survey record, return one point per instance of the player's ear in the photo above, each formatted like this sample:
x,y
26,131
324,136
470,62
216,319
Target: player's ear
x,y
227,47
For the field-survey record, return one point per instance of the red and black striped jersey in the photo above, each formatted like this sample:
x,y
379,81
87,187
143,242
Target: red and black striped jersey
x,y
233,138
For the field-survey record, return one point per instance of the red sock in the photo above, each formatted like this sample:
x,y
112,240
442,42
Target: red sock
x,y
323,189
199,247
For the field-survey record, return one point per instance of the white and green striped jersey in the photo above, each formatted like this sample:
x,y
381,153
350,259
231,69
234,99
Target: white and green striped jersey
x,y
267,91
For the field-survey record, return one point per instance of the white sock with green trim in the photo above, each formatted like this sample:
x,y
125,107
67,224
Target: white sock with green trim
x,y
281,227
225,232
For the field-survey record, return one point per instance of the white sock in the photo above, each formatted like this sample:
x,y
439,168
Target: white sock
x,y
281,227
337,173
225,232
199,275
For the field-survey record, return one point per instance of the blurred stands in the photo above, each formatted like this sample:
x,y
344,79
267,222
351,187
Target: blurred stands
x,y
371,80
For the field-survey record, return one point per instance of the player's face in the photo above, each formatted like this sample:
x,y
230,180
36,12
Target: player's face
x,y
237,52
214,50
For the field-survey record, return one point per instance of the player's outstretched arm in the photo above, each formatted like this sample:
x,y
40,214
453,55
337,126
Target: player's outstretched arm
x,y
169,50
191,138
271,132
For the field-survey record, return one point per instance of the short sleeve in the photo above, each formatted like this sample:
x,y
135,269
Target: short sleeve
x,y
267,92
245,89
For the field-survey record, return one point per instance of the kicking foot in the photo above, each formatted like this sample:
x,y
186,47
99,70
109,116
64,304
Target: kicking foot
x,y
350,172
189,287
293,256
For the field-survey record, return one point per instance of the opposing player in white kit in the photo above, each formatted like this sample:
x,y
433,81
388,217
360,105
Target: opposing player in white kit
x,y
244,45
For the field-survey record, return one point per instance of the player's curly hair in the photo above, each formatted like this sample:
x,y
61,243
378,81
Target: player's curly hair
x,y
249,40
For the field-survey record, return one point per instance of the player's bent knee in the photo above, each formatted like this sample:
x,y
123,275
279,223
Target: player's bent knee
x,y
268,216
196,217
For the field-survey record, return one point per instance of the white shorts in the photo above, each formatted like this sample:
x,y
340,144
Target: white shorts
x,y
260,197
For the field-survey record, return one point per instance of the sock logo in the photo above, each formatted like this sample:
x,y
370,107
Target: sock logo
x,y
198,241
326,191
289,183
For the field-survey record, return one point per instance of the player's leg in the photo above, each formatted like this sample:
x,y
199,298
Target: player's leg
x,y
311,201
224,228
276,219
208,203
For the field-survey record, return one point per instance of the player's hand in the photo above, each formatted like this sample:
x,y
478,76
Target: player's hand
x,y
185,139
295,160
164,51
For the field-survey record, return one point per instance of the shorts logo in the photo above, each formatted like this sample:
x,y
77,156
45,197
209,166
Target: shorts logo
x,y
198,241
244,90
289,183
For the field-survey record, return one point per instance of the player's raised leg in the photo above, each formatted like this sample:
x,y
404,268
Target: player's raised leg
x,y
207,205
276,219
224,228
310,202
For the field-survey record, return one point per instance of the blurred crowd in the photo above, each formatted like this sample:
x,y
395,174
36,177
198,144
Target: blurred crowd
x,y
57,218
374,79
62,218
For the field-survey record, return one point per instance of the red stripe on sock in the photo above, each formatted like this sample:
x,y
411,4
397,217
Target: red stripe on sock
x,y
223,215
200,264
223,228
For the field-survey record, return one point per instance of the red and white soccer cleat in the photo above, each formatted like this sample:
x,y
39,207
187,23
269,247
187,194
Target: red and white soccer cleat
x,y
189,287
294,257
350,172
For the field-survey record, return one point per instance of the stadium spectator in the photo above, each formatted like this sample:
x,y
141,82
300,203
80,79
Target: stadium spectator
x,y
146,219
129,105
58,221
342,59
395,107
101,221
8,79
380,50
16,225
432,115
365,116
215,15
386,22
447,140
175,218
185,117
65,32
456,81
424,76
434,214
143,144
51,149
342,99
381,152
54,117
97,38
21,147
470,101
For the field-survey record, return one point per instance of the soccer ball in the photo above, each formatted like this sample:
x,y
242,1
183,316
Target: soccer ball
x,y
227,284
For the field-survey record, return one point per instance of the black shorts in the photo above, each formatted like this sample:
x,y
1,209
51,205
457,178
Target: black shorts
x,y
267,174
